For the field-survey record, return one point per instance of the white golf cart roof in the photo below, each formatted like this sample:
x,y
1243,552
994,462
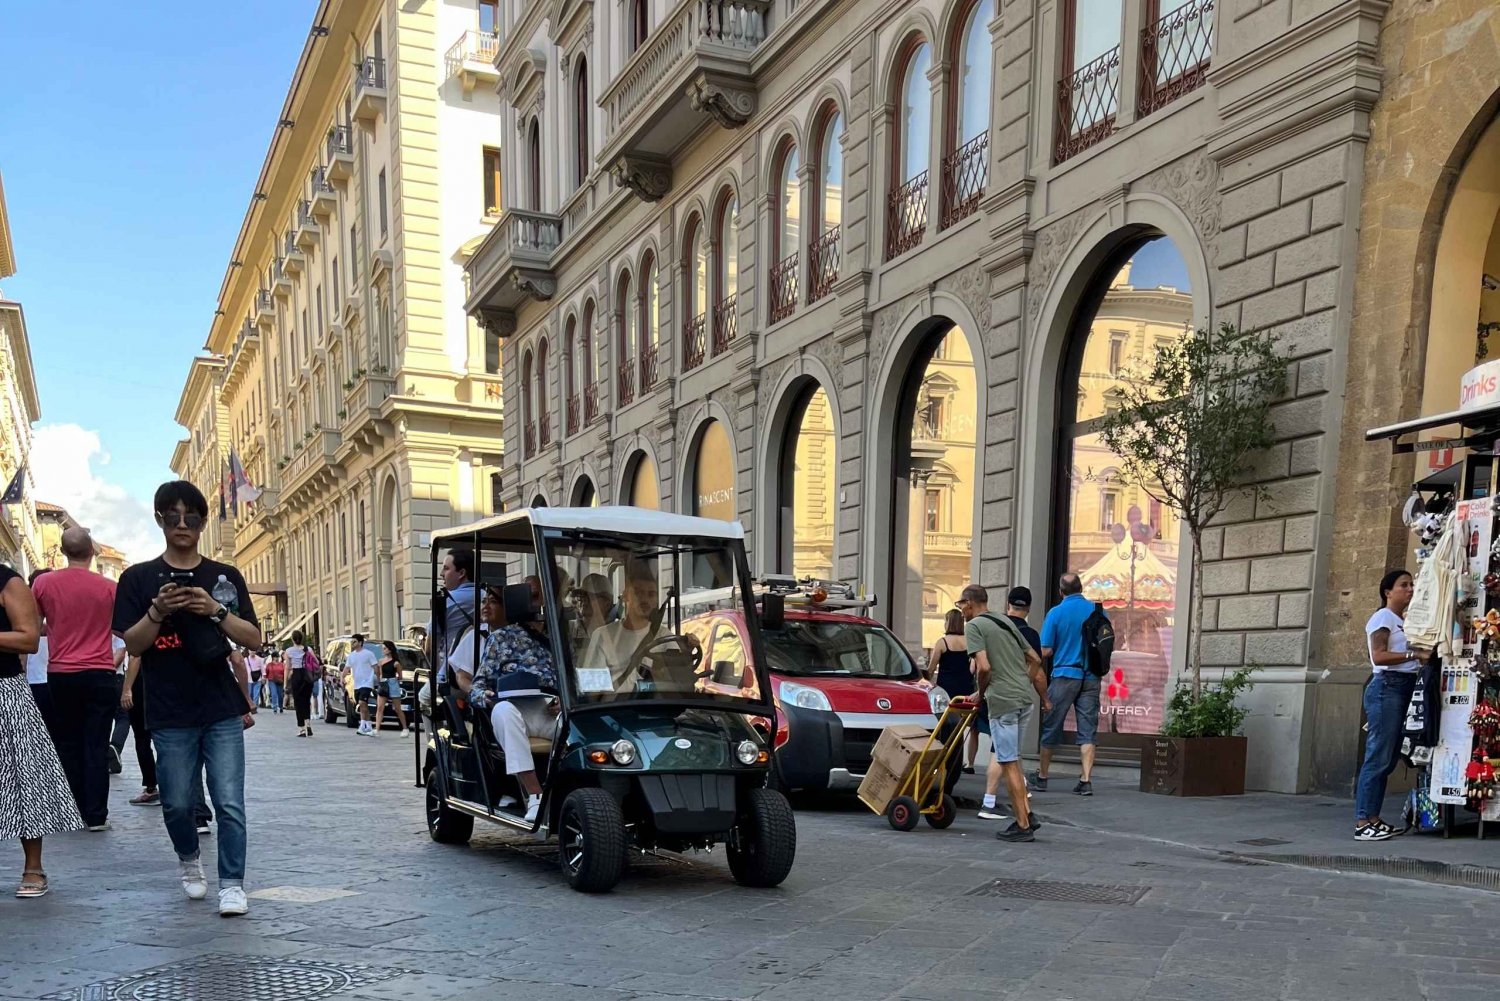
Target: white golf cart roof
x,y
616,520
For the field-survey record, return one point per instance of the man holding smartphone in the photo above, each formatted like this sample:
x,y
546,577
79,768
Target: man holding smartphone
x,y
196,706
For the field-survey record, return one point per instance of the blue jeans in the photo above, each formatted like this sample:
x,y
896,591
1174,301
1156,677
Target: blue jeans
x,y
182,754
277,705
1386,698
255,687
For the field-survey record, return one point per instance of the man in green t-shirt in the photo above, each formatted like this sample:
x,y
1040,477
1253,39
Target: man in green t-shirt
x,y
1007,673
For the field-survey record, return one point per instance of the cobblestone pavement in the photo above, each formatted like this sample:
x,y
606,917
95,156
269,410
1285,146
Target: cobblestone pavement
x,y
351,900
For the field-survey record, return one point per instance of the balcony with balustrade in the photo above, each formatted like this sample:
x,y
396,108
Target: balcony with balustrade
x,y
1176,50
545,425
369,90
292,258
324,202
1087,100
823,264
783,289
265,309
625,383
726,323
965,172
471,60
530,439
694,67
514,263
648,367
308,230
338,153
574,415
590,403
281,288
694,343
906,217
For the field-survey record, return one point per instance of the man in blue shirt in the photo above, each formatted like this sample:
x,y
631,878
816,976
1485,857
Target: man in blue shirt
x,y
457,614
1072,686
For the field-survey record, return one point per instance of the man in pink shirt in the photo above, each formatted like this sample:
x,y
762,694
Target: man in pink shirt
x,y
78,607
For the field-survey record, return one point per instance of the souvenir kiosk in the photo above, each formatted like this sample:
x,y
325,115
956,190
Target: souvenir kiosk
x,y
1452,730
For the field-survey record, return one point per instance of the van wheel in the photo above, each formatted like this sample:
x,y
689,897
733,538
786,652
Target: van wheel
x,y
764,842
446,826
351,714
591,840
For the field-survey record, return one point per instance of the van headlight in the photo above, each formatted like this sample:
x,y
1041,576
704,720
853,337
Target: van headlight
x,y
623,751
748,752
804,697
938,699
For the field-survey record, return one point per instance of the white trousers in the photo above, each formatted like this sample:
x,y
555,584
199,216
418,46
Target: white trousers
x,y
514,720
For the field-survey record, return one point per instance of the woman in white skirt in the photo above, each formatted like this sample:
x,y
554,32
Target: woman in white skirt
x,y
34,796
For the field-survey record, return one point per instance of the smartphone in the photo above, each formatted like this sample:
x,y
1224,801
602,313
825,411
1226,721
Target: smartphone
x,y
182,578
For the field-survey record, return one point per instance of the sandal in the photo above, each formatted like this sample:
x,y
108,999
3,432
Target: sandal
x,y
33,884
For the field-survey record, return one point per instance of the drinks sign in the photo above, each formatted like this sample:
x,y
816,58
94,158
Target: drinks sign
x,y
1480,387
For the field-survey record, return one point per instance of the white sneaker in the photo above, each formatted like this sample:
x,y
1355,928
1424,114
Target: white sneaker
x,y
405,733
232,901
193,882
992,813
506,802
533,807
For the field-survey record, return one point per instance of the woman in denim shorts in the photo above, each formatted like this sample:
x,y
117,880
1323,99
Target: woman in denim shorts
x,y
388,688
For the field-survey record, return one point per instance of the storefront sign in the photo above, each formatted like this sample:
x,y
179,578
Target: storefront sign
x,y
1480,387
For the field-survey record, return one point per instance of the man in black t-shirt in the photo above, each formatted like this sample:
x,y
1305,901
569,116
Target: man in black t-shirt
x,y
181,613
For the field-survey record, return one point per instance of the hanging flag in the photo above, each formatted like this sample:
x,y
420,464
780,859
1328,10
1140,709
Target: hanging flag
x,y
12,493
226,489
223,515
244,491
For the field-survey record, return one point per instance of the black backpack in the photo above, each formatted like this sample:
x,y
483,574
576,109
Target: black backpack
x,y
1098,641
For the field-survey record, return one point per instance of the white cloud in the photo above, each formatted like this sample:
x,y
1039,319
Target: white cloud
x,y
67,462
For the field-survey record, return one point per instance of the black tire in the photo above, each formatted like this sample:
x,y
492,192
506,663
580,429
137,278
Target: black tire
x,y
764,843
329,716
445,825
903,813
947,813
351,713
591,840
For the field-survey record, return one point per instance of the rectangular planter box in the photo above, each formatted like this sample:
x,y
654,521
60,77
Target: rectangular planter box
x,y
1194,766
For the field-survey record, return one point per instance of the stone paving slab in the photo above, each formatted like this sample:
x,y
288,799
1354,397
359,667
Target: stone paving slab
x,y
337,837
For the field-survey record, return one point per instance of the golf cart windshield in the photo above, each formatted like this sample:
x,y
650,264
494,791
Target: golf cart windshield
x,y
626,634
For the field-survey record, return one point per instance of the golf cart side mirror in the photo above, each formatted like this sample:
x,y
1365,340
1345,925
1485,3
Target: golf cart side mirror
x,y
772,611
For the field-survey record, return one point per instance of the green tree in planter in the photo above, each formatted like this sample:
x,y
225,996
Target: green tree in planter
x,y
1187,430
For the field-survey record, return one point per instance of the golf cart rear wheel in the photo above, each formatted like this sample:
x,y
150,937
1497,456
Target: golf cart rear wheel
x,y
944,815
591,840
765,841
446,825
351,713
903,813
329,716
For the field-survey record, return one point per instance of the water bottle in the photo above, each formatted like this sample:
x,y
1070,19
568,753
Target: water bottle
x,y
225,594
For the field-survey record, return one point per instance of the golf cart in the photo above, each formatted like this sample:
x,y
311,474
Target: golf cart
x,y
645,753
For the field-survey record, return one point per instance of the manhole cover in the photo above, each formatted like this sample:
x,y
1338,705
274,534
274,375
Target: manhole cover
x,y
1264,842
231,978
1074,893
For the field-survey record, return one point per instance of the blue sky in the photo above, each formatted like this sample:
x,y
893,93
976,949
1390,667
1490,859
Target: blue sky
x,y
129,146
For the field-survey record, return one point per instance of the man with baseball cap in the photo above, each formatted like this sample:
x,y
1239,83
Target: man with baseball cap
x,y
1017,607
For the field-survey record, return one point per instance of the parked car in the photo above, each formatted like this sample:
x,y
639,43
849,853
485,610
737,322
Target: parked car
x,y
338,682
838,677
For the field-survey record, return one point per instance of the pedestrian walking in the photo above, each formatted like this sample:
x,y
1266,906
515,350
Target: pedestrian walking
x,y
949,668
36,669
275,680
390,688
181,613
362,663
1393,677
121,725
76,603
130,698
35,800
256,664
299,670
1072,686
1006,672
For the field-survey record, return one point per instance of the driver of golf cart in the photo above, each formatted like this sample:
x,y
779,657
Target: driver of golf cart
x,y
514,683
620,645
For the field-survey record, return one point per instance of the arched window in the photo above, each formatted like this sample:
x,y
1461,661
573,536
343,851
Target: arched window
x,y
528,408
828,203
570,349
641,487
648,322
589,370
534,166
694,294
581,108
966,163
786,233
640,23
727,271
906,208
625,336
544,416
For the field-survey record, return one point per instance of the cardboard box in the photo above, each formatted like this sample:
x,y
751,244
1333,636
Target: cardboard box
x,y
899,750
878,787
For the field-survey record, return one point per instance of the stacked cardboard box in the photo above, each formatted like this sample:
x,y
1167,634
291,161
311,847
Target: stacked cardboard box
x,y
899,751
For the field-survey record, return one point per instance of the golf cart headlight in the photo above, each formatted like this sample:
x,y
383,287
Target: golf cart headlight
x,y
748,752
623,751
938,700
804,697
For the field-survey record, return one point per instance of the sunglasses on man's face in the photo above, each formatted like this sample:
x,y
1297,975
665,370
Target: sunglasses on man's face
x,y
171,519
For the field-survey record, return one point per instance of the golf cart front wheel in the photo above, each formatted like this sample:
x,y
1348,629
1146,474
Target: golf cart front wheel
x,y
944,816
446,826
764,843
903,813
591,840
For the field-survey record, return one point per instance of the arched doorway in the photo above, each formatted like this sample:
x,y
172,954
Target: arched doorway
x,y
389,591
935,465
1108,529
807,483
584,494
641,488
713,474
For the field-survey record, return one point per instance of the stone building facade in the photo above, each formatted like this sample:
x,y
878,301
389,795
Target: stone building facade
x,y
20,531
664,275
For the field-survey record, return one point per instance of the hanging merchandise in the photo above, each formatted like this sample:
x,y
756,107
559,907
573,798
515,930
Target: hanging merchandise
x,y
1429,618
1451,757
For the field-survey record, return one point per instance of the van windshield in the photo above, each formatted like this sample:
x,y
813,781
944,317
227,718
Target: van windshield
x,y
825,647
